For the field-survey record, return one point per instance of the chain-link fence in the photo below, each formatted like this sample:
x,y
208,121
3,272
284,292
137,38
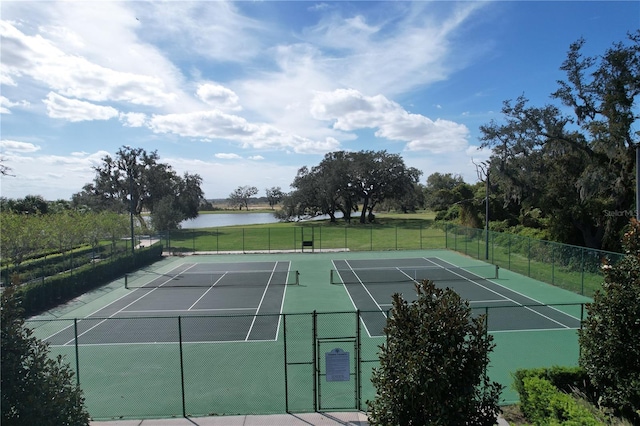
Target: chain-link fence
x,y
149,366
570,267
573,268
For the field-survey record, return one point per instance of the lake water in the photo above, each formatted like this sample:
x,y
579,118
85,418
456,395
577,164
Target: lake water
x,y
228,219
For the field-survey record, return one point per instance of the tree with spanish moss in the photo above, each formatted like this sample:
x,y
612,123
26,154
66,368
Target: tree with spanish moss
x,y
574,162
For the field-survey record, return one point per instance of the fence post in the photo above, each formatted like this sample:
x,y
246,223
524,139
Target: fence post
x,y
553,264
446,235
284,346
75,333
582,272
184,407
315,360
345,237
529,256
509,250
455,239
358,362
466,241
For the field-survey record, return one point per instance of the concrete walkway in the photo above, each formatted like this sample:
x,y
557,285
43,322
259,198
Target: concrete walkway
x,y
306,419
314,419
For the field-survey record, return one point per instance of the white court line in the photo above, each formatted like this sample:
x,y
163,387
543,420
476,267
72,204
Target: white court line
x,y
365,289
532,329
284,296
182,310
212,342
120,310
502,295
264,293
488,301
208,290
107,305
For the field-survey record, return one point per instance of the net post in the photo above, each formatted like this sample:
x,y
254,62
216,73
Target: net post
x,y
331,276
126,281
497,271
297,277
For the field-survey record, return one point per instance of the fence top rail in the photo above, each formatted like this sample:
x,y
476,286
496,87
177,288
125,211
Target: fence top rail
x,y
176,317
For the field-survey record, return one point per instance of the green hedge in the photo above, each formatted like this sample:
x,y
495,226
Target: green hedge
x,y
55,263
544,404
51,291
566,379
545,395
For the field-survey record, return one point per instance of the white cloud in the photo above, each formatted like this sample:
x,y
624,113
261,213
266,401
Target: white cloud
x,y
5,104
87,59
75,110
6,80
73,75
219,125
52,176
218,96
408,46
215,30
351,110
220,178
227,156
9,146
133,119
478,154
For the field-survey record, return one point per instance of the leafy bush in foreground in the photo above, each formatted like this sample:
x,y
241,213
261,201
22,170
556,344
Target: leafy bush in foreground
x,y
609,339
36,390
433,366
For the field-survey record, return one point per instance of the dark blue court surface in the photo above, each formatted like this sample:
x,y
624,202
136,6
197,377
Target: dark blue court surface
x,y
215,303
370,283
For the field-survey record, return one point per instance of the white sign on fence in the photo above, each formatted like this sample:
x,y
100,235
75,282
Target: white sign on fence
x,y
338,365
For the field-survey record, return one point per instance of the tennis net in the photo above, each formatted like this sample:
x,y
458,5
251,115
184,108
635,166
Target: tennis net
x,y
387,275
212,279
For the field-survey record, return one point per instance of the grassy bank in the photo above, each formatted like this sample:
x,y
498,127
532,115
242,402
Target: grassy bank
x,y
568,267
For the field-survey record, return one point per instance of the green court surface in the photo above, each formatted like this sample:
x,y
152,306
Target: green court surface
x,y
263,347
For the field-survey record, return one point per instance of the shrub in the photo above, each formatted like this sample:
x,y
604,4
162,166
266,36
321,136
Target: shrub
x,y
610,347
565,379
433,366
49,292
543,404
36,390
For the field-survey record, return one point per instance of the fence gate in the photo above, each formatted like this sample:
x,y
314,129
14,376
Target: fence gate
x,y
322,361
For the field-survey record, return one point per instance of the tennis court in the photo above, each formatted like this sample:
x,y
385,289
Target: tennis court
x,y
370,284
248,334
246,293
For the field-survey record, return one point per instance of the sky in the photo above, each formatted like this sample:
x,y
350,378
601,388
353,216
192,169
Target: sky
x,y
247,93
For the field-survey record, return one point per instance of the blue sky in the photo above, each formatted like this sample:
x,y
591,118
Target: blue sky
x,y
246,93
